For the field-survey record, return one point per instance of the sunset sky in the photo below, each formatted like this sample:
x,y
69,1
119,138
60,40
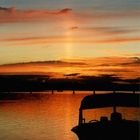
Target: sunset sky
x,y
62,37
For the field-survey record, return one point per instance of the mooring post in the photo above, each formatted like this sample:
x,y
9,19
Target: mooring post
x,y
73,91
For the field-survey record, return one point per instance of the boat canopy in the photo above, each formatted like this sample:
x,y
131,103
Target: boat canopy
x,y
110,100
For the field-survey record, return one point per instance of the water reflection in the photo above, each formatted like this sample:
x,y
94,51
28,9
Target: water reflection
x,y
46,119
50,118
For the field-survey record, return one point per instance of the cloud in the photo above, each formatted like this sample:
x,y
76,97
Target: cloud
x,y
19,39
119,40
74,27
124,67
113,70
72,74
64,11
46,63
135,61
119,61
52,68
113,14
63,39
12,15
121,67
4,9
112,30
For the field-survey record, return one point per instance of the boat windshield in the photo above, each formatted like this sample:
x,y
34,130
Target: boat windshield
x,y
127,113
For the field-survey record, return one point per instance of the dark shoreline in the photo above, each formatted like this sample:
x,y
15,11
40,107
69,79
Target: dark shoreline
x,y
37,95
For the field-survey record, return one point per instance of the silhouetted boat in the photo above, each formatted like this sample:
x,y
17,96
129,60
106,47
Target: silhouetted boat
x,y
115,128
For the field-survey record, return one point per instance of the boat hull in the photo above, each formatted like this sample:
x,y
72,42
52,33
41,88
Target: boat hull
x,y
124,130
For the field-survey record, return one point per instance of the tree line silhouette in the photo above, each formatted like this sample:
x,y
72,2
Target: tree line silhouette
x,y
32,83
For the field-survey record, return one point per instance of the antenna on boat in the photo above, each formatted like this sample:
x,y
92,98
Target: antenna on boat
x,y
114,109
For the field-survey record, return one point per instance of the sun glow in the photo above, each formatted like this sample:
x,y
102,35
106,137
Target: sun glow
x,y
69,37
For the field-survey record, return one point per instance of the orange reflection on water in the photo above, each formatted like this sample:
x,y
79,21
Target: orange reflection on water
x,y
51,117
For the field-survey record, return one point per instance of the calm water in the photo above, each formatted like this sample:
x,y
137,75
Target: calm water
x,y
50,118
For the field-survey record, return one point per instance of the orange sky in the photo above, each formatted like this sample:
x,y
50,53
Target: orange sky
x,y
59,38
